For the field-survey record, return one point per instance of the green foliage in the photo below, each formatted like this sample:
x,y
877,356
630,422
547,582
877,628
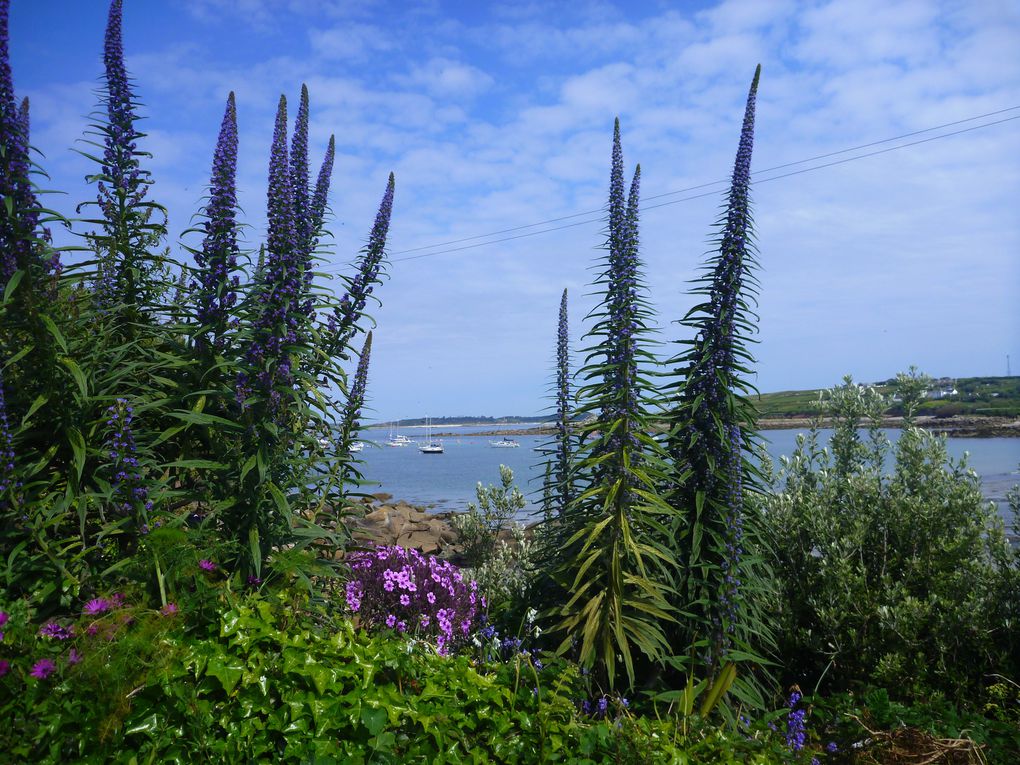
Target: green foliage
x,y
272,680
901,579
480,526
125,417
501,567
610,569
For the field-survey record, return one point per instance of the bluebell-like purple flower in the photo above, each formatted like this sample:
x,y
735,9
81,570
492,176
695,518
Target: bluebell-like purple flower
x,y
795,724
345,318
217,261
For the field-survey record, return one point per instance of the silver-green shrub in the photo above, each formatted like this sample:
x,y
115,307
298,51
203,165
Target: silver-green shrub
x,y
892,567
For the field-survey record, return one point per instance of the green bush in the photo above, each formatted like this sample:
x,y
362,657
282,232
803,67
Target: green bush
x,y
901,579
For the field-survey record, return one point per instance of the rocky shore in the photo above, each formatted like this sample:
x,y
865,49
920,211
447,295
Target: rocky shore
x,y
957,426
381,520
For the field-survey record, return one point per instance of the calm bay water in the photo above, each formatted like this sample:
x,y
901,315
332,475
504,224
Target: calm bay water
x,y
447,481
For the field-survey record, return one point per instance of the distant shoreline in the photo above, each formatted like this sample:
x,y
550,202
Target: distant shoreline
x,y
957,426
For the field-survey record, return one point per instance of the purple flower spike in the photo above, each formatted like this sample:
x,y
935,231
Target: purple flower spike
x,y
217,262
322,187
5,666
18,227
43,669
299,183
347,315
73,657
349,421
563,491
712,418
170,609
206,565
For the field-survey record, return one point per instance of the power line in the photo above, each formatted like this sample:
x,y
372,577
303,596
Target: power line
x,y
600,213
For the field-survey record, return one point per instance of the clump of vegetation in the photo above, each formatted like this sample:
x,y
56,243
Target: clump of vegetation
x,y
172,552
500,567
900,578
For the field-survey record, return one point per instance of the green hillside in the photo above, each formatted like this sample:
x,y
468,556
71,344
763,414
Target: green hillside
x,y
975,396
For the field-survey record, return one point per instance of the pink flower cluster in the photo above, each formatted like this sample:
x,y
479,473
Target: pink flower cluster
x,y
413,593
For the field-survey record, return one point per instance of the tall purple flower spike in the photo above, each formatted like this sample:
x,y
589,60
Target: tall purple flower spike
x,y
711,447
303,232
344,321
125,184
280,291
119,162
563,451
322,187
217,261
17,227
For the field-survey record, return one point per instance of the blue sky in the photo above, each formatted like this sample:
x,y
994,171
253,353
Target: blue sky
x,y
499,115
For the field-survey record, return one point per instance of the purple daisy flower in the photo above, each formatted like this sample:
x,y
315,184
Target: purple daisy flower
x,y
43,668
97,606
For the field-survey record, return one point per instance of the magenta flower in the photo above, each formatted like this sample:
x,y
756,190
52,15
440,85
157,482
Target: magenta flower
x,y
73,657
3,618
170,609
206,565
54,630
5,667
97,606
43,668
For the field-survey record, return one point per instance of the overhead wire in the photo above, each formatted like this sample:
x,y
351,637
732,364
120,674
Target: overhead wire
x,y
599,213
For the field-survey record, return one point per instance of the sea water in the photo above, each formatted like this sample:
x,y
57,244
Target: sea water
x,y
447,481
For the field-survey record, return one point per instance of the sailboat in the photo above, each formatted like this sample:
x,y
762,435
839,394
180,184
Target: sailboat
x,y
429,446
397,440
504,442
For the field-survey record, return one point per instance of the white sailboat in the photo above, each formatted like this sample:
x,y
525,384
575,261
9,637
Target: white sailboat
x,y
397,440
429,446
504,443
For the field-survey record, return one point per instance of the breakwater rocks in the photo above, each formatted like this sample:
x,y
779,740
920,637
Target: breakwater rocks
x,y
382,521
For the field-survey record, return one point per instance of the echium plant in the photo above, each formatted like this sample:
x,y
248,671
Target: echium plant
x,y
19,213
280,316
606,548
127,267
28,265
215,291
350,422
563,490
712,426
343,323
